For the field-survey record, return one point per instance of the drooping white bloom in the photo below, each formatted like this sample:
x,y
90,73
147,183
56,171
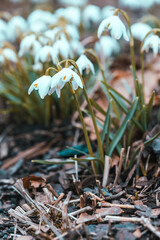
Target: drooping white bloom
x,y
3,28
78,3
139,30
46,54
16,26
91,15
41,84
3,31
108,46
29,44
136,4
9,54
116,27
38,1
52,33
76,47
84,63
62,77
16,1
71,14
152,42
62,47
37,66
107,11
72,31
41,16
38,27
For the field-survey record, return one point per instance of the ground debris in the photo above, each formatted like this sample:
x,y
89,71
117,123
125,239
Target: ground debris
x,y
68,215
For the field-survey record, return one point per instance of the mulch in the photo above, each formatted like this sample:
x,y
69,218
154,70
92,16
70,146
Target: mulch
x,y
66,202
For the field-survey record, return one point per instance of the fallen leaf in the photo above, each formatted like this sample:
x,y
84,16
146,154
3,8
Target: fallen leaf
x,y
99,213
33,182
137,233
24,238
155,212
124,235
109,211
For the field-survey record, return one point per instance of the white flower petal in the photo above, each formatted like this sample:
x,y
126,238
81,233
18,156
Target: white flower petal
x,y
41,84
84,63
116,27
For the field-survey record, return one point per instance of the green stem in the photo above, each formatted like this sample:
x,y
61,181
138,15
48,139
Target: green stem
x,y
131,44
142,71
84,129
95,125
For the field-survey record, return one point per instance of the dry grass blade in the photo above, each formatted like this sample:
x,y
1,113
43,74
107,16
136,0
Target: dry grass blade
x,y
40,207
106,171
120,166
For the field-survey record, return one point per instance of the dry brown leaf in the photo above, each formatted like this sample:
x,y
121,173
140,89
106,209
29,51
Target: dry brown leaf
x,y
155,212
99,213
24,238
109,211
33,182
137,233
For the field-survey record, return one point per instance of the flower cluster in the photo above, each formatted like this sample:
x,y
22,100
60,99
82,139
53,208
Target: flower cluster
x,y
47,84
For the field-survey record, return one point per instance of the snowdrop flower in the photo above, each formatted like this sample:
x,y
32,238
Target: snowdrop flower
x,y
46,54
3,28
107,11
37,66
52,33
72,31
151,42
16,26
3,32
41,84
139,30
41,16
91,15
76,47
62,77
84,63
38,27
9,54
78,3
108,46
136,4
29,44
71,14
62,47
15,1
116,27
38,1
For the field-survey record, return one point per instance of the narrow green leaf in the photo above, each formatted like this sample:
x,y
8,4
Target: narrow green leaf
x,y
125,110
122,129
152,139
120,95
97,107
150,105
106,122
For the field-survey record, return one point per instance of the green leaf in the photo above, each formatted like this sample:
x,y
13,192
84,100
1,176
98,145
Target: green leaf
x,y
98,107
122,128
152,139
108,87
106,122
125,110
150,105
